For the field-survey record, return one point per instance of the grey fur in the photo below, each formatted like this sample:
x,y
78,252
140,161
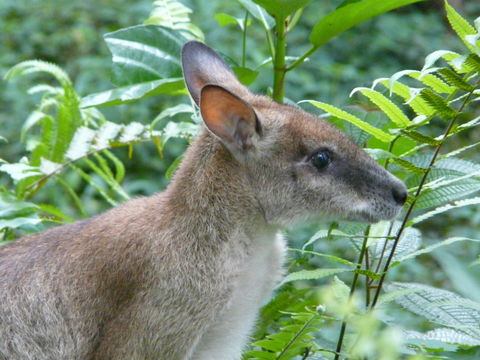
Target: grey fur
x,y
181,274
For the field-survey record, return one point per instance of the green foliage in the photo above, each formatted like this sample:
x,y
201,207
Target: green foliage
x,y
174,15
145,63
349,14
415,123
293,338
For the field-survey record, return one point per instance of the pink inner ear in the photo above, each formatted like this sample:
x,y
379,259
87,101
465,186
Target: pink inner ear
x,y
227,116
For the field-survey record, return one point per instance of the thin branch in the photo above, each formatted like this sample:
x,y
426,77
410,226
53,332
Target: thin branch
x,y
352,290
301,59
367,280
70,162
417,193
299,332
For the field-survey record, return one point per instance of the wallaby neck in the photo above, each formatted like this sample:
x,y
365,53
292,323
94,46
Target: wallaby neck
x,y
210,192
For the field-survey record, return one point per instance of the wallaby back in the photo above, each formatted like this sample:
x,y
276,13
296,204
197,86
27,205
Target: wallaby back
x,y
181,274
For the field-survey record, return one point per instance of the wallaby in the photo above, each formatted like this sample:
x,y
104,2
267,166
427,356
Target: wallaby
x,y
182,274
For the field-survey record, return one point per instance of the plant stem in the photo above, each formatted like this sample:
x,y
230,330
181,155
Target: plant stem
x,y
302,58
417,193
367,282
244,40
279,68
299,332
352,290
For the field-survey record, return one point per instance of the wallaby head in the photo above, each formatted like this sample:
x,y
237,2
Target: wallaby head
x,y
297,165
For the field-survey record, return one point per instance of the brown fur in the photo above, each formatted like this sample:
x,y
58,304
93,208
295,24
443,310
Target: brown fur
x,y
181,274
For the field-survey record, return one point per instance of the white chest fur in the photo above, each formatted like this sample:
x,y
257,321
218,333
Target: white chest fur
x,y
226,338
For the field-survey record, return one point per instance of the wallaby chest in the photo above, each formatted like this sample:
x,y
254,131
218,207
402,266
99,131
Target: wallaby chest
x,y
253,284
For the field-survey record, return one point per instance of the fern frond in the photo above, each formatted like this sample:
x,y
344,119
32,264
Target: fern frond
x,y
174,15
293,338
419,137
459,25
455,80
433,247
341,114
34,66
394,113
433,82
443,209
454,316
418,105
445,335
438,103
445,194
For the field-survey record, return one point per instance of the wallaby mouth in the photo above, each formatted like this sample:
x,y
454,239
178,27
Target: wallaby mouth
x,y
385,201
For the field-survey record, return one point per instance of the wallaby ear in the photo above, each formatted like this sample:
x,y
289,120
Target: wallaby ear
x,y
229,117
202,66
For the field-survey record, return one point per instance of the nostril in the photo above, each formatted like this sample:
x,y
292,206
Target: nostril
x,y
399,195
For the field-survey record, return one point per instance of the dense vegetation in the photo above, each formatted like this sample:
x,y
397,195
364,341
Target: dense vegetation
x,y
392,290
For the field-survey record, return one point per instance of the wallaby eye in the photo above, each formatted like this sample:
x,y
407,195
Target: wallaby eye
x,y
320,159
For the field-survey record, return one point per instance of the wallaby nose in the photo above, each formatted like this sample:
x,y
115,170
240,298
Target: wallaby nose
x,y
399,194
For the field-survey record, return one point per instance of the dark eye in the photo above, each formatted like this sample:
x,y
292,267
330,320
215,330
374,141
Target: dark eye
x,y
320,159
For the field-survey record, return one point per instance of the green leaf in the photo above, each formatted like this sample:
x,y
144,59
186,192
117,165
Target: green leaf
x,y
172,111
280,9
432,58
430,248
245,75
174,15
438,103
12,209
421,301
20,222
94,184
20,171
34,118
455,80
435,83
442,209
408,94
144,53
311,274
291,340
460,25
225,19
460,150
394,295
173,166
131,93
408,165
349,15
258,13
386,105
55,212
445,194
326,256
379,134
181,129
81,143
33,66
119,167
410,241
368,273
445,335
419,137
